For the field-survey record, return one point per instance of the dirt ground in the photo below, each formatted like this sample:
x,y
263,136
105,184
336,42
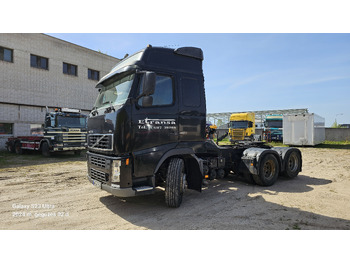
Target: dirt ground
x,y
54,193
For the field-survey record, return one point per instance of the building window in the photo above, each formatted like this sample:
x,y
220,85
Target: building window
x,y
6,54
39,62
6,129
70,69
93,74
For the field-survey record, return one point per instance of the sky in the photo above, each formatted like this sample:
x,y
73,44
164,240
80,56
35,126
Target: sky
x,y
252,72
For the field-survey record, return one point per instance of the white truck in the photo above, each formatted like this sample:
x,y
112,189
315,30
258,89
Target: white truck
x,y
303,129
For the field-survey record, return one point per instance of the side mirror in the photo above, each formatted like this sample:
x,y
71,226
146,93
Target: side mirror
x,y
147,101
149,83
47,122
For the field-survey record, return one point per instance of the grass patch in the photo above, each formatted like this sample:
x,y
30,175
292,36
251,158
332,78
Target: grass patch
x,y
335,145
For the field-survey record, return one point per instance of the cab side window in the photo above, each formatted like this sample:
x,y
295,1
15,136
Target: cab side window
x,y
163,93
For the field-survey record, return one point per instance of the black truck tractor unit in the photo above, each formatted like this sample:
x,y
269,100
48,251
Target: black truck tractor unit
x,y
147,129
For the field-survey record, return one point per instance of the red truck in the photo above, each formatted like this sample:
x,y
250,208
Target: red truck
x,y
64,130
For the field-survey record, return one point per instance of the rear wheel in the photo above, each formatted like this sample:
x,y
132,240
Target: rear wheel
x,y
268,171
175,183
18,148
45,150
212,174
293,163
11,147
249,178
220,174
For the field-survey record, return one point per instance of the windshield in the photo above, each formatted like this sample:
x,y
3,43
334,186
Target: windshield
x,y
114,92
239,124
128,61
70,121
274,123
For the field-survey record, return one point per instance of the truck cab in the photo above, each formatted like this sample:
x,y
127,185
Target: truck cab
x,y
274,127
151,106
242,126
64,129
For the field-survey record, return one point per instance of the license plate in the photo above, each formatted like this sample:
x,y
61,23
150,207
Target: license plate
x,y
97,184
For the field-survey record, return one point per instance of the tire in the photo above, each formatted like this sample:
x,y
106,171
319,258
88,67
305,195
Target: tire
x,y
292,164
175,183
227,172
212,174
249,178
45,150
268,171
18,148
77,152
220,174
11,147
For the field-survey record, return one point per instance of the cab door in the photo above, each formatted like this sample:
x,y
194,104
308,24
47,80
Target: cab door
x,y
154,123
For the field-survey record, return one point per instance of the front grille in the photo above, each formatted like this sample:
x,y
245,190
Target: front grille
x,y
238,134
101,141
74,137
98,161
98,175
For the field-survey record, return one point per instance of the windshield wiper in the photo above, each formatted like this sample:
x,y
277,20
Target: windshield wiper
x,y
110,108
94,111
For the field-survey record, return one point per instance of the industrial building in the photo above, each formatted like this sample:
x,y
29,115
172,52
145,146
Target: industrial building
x,y
37,70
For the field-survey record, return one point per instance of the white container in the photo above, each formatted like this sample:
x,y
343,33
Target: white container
x,y
303,129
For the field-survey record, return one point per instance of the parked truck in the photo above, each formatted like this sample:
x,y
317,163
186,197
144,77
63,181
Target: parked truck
x,y
274,127
147,129
63,130
242,126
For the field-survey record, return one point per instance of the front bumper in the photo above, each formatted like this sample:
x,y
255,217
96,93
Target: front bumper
x,y
113,189
69,148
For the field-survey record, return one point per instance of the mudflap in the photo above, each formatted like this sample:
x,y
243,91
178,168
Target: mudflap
x,y
194,178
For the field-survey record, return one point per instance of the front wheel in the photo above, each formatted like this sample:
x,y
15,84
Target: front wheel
x,y
268,171
175,183
45,150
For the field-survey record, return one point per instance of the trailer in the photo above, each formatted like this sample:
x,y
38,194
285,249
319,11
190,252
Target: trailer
x,y
147,129
303,129
63,130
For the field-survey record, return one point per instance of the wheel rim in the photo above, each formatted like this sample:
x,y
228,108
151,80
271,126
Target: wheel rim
x,y
293,162
269,169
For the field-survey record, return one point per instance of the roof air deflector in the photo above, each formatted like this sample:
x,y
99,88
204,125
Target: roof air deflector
x,y
190,51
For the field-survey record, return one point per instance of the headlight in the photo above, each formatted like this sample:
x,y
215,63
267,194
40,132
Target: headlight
x,y
116,171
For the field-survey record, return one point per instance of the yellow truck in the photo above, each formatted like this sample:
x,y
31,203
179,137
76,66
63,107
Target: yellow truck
x,y
242,126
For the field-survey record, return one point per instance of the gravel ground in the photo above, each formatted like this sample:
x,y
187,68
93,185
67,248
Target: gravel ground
x,y
54,193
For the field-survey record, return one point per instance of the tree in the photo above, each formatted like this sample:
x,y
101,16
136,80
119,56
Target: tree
x,y
335,124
